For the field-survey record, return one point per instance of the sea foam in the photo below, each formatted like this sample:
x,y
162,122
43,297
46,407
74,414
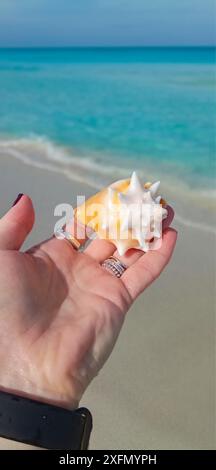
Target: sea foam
x,y
40,152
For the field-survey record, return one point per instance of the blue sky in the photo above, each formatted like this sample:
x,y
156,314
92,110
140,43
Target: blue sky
x,y
106,22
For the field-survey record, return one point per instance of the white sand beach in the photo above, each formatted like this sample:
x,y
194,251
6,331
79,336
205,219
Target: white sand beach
x,y
157,389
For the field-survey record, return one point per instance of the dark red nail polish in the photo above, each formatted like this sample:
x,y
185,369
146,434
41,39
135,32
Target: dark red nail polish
x,y
20,195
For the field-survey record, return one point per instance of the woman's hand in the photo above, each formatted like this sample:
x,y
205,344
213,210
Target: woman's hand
x,y
60,311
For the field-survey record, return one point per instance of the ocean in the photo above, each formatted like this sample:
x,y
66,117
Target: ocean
x,y
96,114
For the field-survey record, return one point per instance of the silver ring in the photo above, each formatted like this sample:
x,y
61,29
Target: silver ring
x,y
114,266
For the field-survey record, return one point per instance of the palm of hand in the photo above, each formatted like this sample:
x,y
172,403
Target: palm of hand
x,y
60,311
64,326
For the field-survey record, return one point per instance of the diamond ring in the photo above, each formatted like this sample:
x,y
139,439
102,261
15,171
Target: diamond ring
x,y
114,266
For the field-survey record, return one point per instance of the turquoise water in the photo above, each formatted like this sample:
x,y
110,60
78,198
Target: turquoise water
x,y
101,111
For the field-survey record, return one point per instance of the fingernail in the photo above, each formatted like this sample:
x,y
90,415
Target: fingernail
x,y
20,195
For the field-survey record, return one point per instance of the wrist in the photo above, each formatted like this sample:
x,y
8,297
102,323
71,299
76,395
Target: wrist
x,y
19,385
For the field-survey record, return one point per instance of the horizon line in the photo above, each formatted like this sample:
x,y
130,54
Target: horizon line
x,y
112,46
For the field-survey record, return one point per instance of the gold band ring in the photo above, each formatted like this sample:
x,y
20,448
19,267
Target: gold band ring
x,y
63,235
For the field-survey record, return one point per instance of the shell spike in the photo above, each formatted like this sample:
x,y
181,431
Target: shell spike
x,y
154,188
158,199
135,183
121,248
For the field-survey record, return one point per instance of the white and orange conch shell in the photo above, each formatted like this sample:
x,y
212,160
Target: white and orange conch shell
x,y
126,213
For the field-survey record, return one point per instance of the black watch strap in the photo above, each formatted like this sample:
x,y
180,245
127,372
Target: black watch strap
x,y
43,425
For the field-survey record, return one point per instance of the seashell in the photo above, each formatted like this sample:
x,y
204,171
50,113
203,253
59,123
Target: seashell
x,y
127,213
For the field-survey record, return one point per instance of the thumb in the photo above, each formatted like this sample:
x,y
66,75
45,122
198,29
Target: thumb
x,y
16,224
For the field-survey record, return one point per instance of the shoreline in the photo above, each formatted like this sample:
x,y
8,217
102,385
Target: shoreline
x,y
198,207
